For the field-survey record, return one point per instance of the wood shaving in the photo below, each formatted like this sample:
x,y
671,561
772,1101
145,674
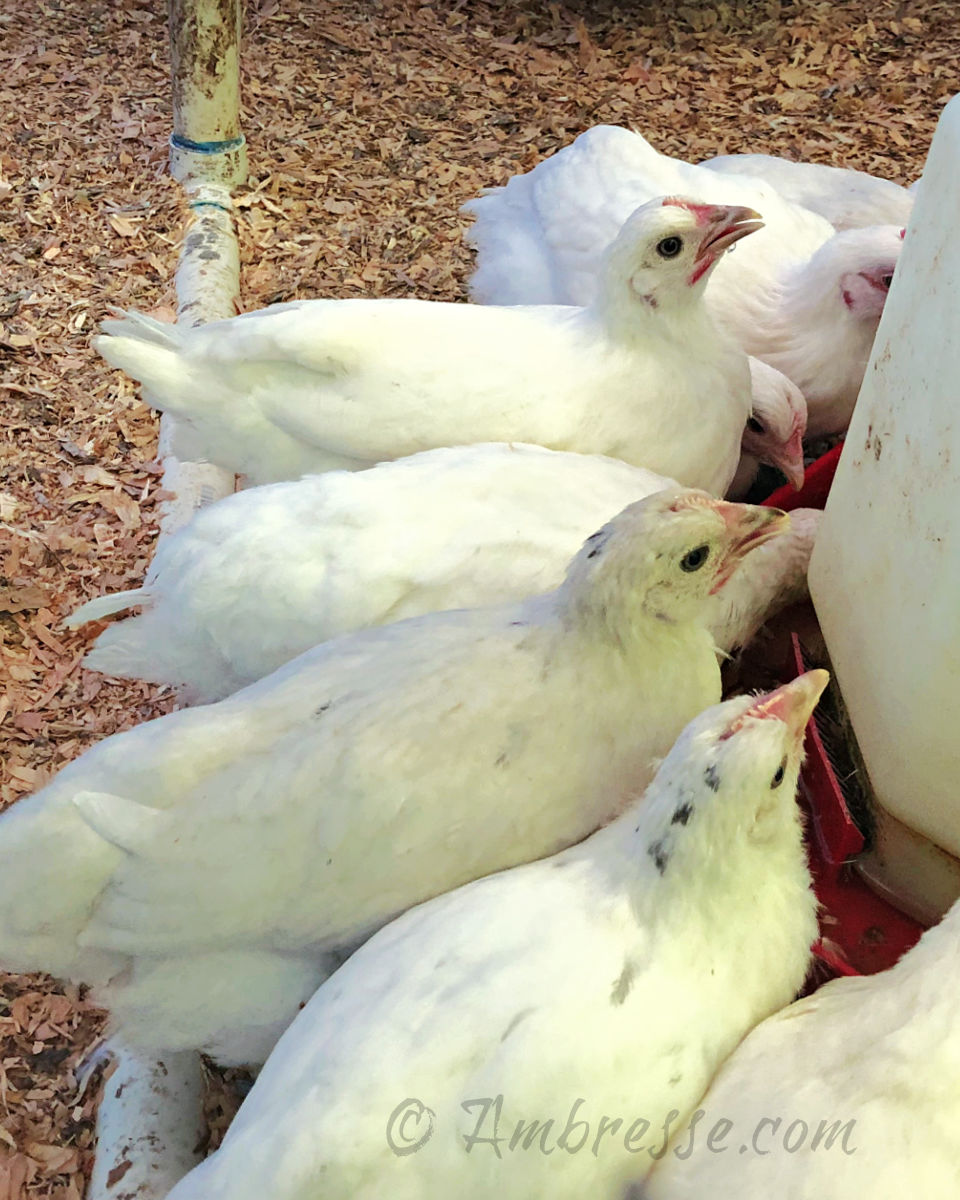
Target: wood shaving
x,y
368,124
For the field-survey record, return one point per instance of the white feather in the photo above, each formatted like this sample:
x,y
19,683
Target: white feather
x,y
779,293
269,572
622,972
641,375
120,822
846,198
860,1079
553,224
379,769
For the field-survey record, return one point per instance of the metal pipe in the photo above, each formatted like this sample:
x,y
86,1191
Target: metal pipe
x,y
208,157
208,284
149,1124
206,144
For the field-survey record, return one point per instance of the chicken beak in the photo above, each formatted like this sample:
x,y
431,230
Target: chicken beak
x,y
790,461
750,526
793,704
723,224
729,225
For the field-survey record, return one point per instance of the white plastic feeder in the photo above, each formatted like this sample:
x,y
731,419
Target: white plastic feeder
x,y
885,574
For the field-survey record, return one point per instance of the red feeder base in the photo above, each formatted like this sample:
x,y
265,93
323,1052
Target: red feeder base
x,y
860,932
816,484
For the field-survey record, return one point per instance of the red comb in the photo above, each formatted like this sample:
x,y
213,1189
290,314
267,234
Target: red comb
x,y
705,213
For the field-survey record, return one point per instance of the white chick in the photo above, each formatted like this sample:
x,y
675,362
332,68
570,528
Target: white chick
x,y
775,429
798,295
265,574
849,1092
642,374
204,864
621,972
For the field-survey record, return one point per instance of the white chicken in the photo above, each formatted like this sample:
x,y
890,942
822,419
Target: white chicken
x,y
642,374
775,429
846,198
818,324
203,865
269,572
849,1092
622,971
798,295
540,238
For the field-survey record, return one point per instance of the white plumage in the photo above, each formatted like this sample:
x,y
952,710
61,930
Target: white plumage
x,y
269,572
622,971
858,1085
801,297
846,198
539,239
641,375
206,862
818,324
775,429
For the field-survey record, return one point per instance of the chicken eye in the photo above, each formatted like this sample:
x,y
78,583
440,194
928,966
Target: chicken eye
x,y
755,426
693,560
779,773
670,247
886,280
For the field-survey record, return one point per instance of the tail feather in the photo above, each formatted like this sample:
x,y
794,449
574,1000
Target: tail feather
x,y
146,329
121,822
154,647
106,606
506,235
148,351
138,648
233,1003
53,866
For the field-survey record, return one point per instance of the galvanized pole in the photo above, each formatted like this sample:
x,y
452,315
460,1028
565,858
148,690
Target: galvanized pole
x,y
207,145
208,157
149,1126
150,1121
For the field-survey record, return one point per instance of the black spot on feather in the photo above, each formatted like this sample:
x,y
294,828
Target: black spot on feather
x,y
520,1016
621,989
600,537
318,712
682,815
711,777
658,853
